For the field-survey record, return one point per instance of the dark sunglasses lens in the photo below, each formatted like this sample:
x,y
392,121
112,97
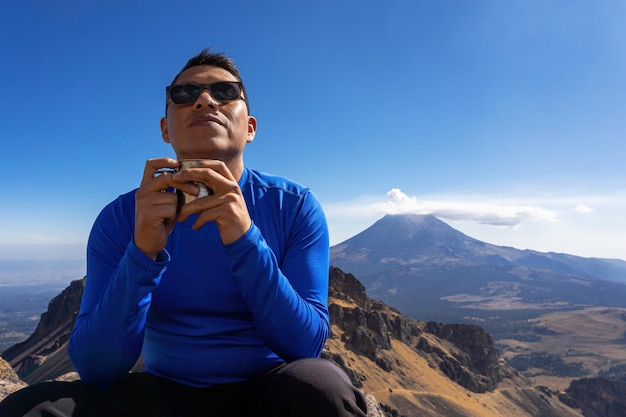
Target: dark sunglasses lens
x,y
225,91
185,93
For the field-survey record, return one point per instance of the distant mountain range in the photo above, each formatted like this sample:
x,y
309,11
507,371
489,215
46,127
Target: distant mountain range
x,y
24,272
430,271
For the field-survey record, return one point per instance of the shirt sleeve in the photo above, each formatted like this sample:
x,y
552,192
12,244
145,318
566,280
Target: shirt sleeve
x,y
108,335
289,301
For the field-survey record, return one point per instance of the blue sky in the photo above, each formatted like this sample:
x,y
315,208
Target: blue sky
x,y
503,118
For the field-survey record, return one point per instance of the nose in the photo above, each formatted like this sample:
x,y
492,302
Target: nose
x,y
205,100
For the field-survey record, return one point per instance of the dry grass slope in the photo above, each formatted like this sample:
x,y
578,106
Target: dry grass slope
x,y
594,337
414,387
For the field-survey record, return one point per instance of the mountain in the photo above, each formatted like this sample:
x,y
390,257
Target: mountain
x,y
412,239
408,368
555,317
431,271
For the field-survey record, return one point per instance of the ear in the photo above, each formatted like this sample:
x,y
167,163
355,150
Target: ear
x,y
164,134
251,128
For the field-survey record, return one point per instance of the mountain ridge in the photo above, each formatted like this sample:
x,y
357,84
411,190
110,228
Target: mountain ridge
x,y
424,267
416,238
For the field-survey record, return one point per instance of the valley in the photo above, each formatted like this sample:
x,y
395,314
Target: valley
x,y
569,345
20,309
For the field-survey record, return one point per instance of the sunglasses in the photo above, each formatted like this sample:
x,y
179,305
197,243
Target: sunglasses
x,y
222,91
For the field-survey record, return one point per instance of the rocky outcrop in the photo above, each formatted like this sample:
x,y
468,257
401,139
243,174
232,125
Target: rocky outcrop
x,y
51,334
475,362
597,397
9,381
465,353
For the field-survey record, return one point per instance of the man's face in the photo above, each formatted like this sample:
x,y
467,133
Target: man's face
x,y
208,128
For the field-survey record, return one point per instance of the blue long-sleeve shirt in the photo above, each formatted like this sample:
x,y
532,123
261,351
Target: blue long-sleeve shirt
x,y
206,313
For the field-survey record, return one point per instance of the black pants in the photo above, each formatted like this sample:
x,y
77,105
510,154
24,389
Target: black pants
x,y
304,388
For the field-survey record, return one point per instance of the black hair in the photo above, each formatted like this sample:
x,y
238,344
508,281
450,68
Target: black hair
x,y
216,59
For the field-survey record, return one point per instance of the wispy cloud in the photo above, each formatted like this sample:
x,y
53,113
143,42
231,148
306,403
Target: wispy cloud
x,y
481,212
583,209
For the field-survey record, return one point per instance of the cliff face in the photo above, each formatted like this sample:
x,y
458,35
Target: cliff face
x,y
597,397
51,335
473,361
464,353
425,369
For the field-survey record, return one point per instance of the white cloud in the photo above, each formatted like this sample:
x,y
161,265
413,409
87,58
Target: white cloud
x,y
583,209
484,212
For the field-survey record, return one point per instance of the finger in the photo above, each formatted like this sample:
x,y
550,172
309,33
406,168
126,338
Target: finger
x,y
218,180
212,164
212,207
193,207
147,199
155,164
219,167
230,216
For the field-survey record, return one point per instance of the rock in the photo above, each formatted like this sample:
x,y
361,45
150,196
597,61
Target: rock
x,y
597,397
9,381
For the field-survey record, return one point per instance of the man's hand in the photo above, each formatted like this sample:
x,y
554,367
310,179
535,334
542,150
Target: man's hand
x,y
226,207
155,209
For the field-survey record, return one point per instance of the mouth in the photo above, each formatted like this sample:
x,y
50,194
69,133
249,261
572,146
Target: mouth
x,y
206,120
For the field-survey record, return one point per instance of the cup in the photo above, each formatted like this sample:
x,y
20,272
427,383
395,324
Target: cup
x,y
184,198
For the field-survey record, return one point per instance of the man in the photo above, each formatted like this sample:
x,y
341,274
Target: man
x,y
224,297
